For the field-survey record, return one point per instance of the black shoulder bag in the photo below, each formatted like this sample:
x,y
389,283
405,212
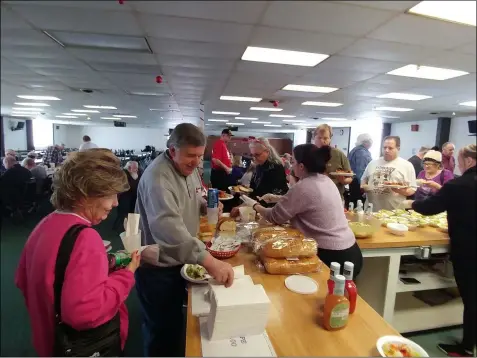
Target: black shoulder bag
x,y
101,341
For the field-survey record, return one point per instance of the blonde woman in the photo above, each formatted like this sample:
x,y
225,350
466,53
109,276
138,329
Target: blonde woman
x,y
269,176
457,197
76,305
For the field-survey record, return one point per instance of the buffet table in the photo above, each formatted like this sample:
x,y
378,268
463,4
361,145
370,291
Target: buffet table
x,y
379,283
294,326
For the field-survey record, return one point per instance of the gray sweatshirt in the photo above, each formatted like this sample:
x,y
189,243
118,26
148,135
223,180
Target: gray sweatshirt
x,y
170,205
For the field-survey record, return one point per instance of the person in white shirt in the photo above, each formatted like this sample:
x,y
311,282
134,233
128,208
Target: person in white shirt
x,y
389,168
87,144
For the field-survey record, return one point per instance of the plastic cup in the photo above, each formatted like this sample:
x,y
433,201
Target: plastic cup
x,y
212,215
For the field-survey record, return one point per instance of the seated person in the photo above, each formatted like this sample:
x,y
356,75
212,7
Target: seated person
x,y
313,206
13,180
38,172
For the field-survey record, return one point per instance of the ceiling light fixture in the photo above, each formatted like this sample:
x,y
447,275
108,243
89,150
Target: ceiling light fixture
x,y
66,117
26,109
393,109
32,104
217,120
39,98
240,99
462,12
284,57
85,110
293,120
272,125
267,109
314,89
23,114
390,117
282,115
261,122
427,72
404,96
108,117
123,116
158,94
235,124
99,107
247,118
322,104
334,119
226,113
74,114
468,104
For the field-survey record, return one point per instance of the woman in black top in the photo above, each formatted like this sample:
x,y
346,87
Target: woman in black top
x,y
269,175
457,197
127,200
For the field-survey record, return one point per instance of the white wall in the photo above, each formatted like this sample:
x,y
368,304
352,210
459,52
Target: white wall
x,y
67,134
16,140
459,134
412,141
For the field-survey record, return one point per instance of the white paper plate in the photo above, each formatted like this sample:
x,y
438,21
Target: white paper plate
x,y
303,285
398,339
339,174
190,279
228,197
395,186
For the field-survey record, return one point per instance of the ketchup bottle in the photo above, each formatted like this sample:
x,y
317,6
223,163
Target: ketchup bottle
x,y
334,270
351,292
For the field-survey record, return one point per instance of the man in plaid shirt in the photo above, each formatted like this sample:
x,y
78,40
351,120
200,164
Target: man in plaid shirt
x,y
53,155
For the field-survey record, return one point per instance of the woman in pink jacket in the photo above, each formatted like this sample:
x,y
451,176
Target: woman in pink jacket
x,y
92,298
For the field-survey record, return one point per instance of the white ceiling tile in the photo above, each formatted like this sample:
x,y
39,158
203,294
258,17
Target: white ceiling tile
x,y
34,52
401,80
336,78
26,38
387,51
11,21
398,6
418,30
80,20
195,62
259,67
93,5
299,40
195,30
162,46
113,56
154,70
246,12
67,64
324,16
193,72
452,60
470,48
359,64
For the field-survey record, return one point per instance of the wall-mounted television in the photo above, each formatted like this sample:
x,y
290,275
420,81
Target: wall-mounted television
x,y
471,125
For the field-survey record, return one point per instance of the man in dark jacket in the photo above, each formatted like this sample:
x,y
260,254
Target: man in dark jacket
x,y
13,181
457,197
416,160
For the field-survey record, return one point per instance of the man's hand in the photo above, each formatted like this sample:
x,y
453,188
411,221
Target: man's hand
x,y
344,180
270,198
432,184
406,204
235,212
221,271
404,191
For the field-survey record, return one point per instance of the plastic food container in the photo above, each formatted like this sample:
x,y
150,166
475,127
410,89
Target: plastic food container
x,y
397,229
415,348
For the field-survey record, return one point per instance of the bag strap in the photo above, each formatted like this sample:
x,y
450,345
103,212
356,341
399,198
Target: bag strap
x,y
442,177
62,259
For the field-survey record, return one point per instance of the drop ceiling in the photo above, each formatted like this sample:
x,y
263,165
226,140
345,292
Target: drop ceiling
x,y
117,50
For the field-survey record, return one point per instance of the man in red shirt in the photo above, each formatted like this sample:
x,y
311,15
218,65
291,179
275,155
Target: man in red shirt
x,y
221,162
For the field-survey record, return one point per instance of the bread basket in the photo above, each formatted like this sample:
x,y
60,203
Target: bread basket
x,y
222,254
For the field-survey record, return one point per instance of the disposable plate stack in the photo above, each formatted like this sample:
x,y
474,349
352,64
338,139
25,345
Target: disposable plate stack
x,y
240,310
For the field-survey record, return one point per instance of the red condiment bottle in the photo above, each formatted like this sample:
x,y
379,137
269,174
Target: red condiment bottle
x,y
334,270
351,292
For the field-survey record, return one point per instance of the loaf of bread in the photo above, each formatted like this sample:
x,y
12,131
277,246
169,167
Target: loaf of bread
x,y
290,248
269,232
291,267
226,224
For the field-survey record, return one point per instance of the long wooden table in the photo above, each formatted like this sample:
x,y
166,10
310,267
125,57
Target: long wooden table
x,y
295,327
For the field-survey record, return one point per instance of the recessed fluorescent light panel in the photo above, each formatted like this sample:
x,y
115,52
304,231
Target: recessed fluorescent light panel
x,y
226,113
247,118
462,12
390,117
240,99
66,117
123,116
74,114
427,72
32,104
314,89
235,124
267,109
26,109
218,120
39,98
393,109
272,125
159,94
334,119
293,120
404,96
322,104
282,115
284,57
23,114
99,107
108,117
261,122
85,110
468,104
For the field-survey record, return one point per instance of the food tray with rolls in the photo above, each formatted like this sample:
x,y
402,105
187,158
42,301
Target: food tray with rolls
x,y
262,235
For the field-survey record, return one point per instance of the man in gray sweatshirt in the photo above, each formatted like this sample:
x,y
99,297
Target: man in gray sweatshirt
x,y
170,201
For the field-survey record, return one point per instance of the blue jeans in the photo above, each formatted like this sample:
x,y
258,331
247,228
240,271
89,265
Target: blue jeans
x,y
161,292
